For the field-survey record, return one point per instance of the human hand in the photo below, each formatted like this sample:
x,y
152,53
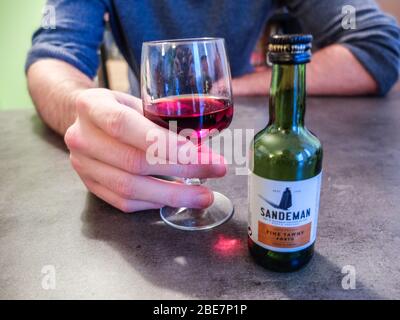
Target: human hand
x,y
107,144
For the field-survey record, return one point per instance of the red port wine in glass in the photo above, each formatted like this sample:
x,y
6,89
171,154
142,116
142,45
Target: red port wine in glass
x,y
202,113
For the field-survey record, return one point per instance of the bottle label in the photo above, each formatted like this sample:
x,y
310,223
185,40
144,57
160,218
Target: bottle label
x,y
283,215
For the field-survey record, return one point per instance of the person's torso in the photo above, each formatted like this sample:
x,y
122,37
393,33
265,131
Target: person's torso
x,y
238,22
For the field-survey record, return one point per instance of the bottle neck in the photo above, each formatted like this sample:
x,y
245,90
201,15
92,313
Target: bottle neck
x,y
287,96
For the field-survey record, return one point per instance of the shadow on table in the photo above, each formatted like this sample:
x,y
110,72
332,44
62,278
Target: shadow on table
x,y
210,265
48,135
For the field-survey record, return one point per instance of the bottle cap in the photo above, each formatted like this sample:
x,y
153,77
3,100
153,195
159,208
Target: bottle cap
x,y
290,48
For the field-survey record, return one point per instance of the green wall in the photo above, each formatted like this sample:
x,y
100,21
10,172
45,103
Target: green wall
x,y
18,20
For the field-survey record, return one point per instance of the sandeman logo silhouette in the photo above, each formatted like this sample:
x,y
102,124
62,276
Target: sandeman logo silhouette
x,y
284,204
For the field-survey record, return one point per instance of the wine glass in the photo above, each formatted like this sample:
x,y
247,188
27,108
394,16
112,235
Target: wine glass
x,y
188,81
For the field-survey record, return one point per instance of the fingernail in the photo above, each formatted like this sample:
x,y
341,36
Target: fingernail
x,y
203,200
219,169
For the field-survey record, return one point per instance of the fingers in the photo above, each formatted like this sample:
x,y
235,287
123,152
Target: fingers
x,y
123,123
108,144
142,188
128,100
130,127
95,144
125,205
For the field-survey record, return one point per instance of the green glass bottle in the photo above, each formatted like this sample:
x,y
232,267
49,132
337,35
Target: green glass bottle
x,y
285,175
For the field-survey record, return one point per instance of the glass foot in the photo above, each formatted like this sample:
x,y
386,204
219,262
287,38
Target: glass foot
x,y
199,219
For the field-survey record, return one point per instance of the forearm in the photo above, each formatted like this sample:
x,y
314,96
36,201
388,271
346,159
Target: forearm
x,y
53,86
333,71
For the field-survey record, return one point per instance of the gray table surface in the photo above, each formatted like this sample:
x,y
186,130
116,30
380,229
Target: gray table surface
x,y
48,218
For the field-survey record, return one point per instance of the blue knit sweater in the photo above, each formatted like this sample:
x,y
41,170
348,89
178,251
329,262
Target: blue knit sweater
x,y
80,25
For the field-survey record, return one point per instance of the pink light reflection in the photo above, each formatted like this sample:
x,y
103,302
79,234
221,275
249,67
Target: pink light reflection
x,y
227,246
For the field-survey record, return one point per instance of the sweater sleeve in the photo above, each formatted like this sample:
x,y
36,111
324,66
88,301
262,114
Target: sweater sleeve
x,y
75,36
374,40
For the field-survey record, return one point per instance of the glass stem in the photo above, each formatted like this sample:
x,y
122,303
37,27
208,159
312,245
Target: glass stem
x,y
195,181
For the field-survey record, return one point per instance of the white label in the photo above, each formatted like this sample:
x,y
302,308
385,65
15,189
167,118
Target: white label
x,y
283,215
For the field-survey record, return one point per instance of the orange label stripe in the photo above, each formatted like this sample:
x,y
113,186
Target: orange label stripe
x,y
284,237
